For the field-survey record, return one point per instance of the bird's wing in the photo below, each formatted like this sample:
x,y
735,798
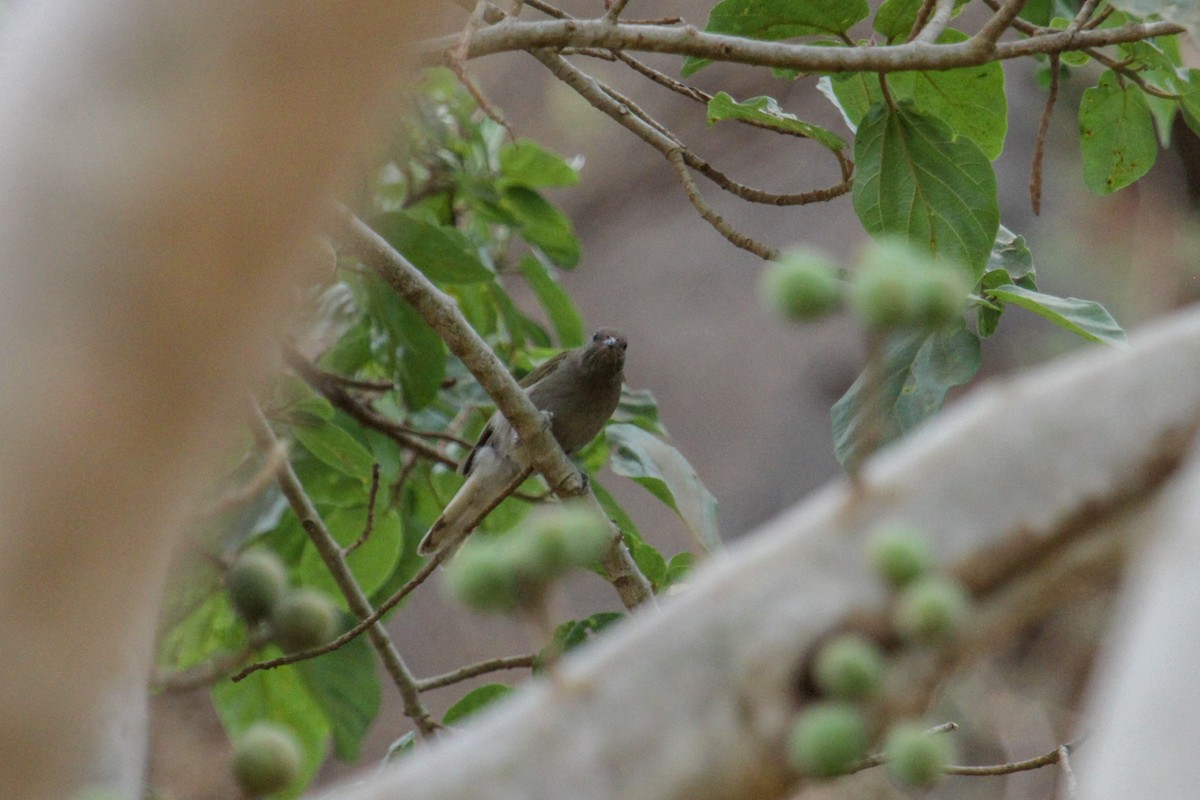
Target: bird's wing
x,y
484,437
545,369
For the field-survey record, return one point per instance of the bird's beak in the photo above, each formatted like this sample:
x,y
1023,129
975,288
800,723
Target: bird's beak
x,y
610,341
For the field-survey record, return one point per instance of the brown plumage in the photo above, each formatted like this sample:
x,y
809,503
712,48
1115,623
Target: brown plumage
x,y
579,388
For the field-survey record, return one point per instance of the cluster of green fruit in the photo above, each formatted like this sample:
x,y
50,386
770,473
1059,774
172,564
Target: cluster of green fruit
x,y
894,286
831,737
266,756
513,572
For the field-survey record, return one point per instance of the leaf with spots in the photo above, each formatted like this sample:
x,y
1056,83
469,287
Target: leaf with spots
x,y
1116,134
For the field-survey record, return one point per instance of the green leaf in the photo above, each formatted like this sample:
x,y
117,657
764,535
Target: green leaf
x,y
918,369
638,407
336,448
422,358
772,20
371,563
1086,318
345,685
543,225
1116,134
765,112
917,179
527,164
443,253
1011,254
971,100
679,567
570,635
275,695
474,700
212,628
667,475
1187,84
555,300
895,18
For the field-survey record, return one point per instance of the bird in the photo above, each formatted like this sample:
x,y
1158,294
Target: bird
x,y
577,390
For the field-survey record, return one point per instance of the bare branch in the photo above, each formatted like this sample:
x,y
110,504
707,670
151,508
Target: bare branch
x,y
995,27
735,237
331,554
687,41
475,670
1039,144
937,24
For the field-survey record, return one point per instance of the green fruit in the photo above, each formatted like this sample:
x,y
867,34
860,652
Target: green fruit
x,y
849,667
916,758
562,536
939,295
483,577
801,285
883,298
828,739
303,619
255,583
931,609
900,555
266,759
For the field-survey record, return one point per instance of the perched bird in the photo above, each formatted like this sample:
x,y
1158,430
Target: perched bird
x,y
577,389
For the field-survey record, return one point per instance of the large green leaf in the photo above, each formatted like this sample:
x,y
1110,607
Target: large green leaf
x,y
371,563
971,100
543,225
1010,262
1086,318
919,367
475,700
916,179
212,627
345,684
772,20
527,164
1116,134
422,358
554,299
649,561
336,448
441,252
666,474
275,695
765,112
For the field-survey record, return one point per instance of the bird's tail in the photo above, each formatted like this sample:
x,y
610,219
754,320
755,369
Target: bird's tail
x,y
483,490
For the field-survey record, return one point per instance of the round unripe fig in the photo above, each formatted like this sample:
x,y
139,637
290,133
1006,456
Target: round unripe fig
x,y
828,739
939,295
900,555
484,578
883,294
801,285
849,667
266,759
915,758
256,581
303,619
562,536
931,609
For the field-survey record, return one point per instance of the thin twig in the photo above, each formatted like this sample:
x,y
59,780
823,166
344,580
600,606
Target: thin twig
x,y
615,9
217,668
1064,760
1039,144
1086,9
735,237
937,24
922,17
1055,756
331,554
475,670
878,759
370,523
362,383
995,27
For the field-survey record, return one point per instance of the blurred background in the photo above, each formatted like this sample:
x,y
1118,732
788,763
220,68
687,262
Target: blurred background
x,y
745,394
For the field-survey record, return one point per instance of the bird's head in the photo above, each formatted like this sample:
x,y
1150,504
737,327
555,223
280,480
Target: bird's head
x,y
605,352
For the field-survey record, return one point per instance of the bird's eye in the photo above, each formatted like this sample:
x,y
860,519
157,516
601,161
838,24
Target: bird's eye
x,y
597,337
624,345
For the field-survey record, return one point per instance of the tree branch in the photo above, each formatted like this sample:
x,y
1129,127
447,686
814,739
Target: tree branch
x,y
735,642
475,670
331,554
687,41
442,314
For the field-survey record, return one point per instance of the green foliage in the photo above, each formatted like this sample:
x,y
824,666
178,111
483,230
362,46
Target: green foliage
x,y
765,112
917,180
772,20
1116,133
1086,318
475,700
971,100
